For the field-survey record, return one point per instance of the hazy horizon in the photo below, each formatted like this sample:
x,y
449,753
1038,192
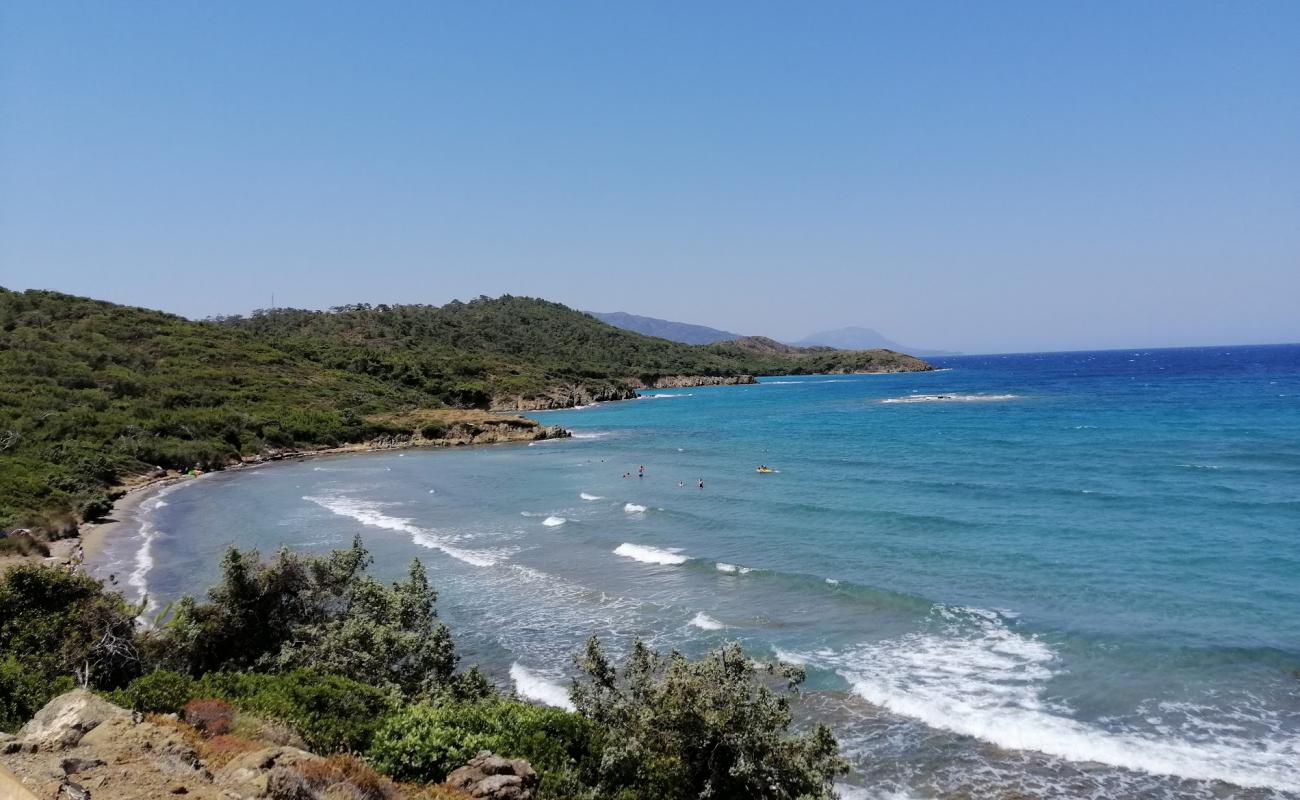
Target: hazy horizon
x,y
1022,178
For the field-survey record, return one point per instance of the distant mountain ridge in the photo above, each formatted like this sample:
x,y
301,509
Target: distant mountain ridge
x,y
859,338
682,332
850,338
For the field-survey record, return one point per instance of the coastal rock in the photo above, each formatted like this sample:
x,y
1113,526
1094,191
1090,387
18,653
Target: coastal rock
x,y
690,381
585,395
563,397
495,778
67,718
256,774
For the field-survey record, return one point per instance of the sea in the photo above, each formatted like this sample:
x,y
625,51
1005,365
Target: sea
x,y
1041,575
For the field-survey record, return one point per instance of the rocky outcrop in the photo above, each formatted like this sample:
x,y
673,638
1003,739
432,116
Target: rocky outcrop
x,y
688,381
495,778
66,719
80,747
564,397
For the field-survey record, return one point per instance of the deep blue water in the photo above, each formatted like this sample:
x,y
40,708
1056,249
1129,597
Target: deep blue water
x,y
1066,575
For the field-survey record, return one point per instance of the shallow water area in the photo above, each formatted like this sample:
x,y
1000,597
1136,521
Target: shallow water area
x,y
1062,575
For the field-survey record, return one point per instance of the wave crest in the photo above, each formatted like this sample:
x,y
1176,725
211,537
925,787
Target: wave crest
x,y
651,555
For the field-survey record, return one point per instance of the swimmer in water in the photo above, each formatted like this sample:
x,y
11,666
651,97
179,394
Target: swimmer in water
x,y
701,483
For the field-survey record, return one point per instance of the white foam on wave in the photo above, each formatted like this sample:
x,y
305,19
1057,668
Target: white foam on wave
x,y
634,508
369,513
552,522
651,555
138,578
589,497
789,657
532,686
970,674
951,398
664,396
589,434
705,622
722,566
1201,466
833,581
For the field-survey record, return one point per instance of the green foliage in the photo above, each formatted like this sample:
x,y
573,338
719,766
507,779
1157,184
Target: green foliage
x,y
158,692
322,613
331,713
425,742
715,727
56,624
95,391
23,691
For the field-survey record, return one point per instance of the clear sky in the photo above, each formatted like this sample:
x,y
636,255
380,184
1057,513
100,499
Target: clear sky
x,y
987,176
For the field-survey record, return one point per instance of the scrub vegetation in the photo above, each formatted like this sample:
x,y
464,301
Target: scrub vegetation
x,y
354,666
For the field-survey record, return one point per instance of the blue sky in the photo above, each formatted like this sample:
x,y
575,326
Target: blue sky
x,y
975,176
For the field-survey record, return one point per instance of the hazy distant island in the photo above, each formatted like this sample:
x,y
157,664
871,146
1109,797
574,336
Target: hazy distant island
x,y
850,338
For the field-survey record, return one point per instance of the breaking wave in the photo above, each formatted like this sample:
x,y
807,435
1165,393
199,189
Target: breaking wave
x,y
532,686
970,674
369,513
552,522
705,622
586,496
650,555
634,508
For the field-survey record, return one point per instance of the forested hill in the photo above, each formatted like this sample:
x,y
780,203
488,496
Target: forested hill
x,y
95,390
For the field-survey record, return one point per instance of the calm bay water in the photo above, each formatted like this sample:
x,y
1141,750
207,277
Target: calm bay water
x,y
1063,575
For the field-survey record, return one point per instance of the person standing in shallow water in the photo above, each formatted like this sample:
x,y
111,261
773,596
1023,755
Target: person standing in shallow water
x,y
640,473
701,483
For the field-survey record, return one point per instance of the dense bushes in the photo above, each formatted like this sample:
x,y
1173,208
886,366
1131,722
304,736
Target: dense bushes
x,y
424,742
57,624
331,713
715,727
353,665
158,692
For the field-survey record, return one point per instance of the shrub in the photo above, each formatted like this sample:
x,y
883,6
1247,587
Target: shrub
x,y
22,544
96,508
158,692
209,716
424,742
57,624
23,692
322,613
329,712
715,727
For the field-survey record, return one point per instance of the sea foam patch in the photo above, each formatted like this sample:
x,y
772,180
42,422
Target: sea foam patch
x,y
532,686
651,555
554,522
705,622
969,673
951,398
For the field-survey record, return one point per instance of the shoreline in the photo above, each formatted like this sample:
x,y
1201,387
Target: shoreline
x,y
92,536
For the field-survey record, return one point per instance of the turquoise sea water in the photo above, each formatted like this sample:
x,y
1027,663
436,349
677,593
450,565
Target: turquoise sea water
x,y
1063,575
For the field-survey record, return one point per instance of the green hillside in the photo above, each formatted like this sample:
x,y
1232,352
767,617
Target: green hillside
x,y
96,391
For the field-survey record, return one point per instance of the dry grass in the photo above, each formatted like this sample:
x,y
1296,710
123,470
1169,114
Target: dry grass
x,y
220,750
